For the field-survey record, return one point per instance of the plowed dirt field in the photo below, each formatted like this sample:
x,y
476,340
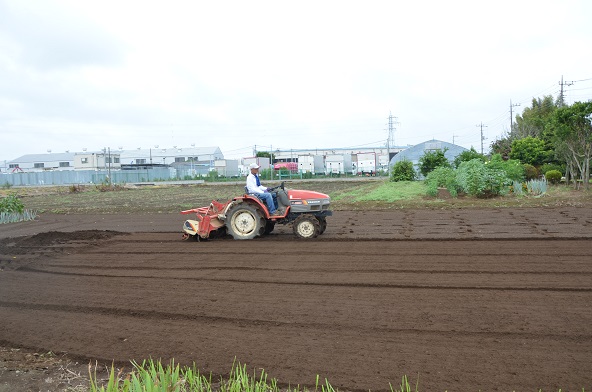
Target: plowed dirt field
x,y
466,300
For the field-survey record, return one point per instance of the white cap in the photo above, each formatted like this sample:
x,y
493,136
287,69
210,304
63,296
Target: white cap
x,y
254,166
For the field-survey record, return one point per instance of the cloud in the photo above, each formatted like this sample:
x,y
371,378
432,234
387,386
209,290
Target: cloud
x,y
293,75
46,37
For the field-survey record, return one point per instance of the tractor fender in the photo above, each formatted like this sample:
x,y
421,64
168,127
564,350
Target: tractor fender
x,y
222,215
251,200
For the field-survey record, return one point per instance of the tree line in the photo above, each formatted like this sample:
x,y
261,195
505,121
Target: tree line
x,y
549,139
552,133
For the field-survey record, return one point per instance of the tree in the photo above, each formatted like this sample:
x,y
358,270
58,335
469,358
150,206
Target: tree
x,y
265,154
530,150
403,171
502,147
431,160
466,156
533,120
571,127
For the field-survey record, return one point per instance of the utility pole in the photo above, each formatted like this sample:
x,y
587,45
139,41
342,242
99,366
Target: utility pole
x,y
562,83
390,140
512,115
482,137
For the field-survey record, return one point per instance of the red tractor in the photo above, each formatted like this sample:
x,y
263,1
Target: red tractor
x,y
247,217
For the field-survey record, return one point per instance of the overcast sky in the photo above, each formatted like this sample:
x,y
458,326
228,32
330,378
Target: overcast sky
x,y
277,74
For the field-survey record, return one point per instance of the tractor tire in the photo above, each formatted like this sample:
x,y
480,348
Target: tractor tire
x,y
244,222
323,224
269,226
306,226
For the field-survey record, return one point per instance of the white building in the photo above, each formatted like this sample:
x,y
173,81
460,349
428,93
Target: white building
x,y
41,162
170,156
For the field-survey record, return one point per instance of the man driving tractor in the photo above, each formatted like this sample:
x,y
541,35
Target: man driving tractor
x,y
254,186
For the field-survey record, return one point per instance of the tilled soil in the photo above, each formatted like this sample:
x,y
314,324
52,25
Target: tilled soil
x,y
464,300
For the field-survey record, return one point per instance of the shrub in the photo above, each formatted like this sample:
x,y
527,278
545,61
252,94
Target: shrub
x,y
12,203
530,172
466,156
517,188
513,168
552,166
403,171
430,160
553,176
537,187
12,210
478,179
442,177
470,177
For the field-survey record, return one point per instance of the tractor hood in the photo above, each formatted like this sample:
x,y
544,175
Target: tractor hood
x,y
308,201
294,194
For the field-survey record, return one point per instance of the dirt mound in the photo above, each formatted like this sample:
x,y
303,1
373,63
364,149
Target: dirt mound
x,y
20,251
28,244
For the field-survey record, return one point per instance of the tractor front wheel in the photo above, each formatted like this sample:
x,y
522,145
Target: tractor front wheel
x,y
244,222
306,226
323,224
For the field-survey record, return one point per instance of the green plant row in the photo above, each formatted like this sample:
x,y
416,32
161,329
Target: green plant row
x,y
483,179
152,376
11,203
13,217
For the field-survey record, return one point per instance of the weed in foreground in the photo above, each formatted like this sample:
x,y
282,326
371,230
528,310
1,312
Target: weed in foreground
x,y
153,376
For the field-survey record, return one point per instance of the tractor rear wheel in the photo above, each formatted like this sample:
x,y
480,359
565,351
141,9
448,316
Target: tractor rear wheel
x,y
269,226
306,226
244,222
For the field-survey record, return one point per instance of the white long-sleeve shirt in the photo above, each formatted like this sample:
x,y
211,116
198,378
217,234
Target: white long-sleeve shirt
x,y
252,186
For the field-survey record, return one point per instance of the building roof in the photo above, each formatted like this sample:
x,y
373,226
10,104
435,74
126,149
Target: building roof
x,y
50,157
172,152
415,152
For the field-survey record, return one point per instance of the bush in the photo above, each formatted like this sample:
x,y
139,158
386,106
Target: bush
x,y
403,171
552,166
537,187
13,210
553,176
466,156
513,168
12,203
470,177
430,160
530,172
442,177
475,178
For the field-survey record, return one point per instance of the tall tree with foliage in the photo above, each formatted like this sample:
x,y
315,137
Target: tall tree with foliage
x,y
531,150
265,154
502,146
533,119
468,155
572,130
431,160
531,123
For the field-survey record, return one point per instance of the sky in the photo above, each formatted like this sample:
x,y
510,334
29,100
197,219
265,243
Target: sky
x,y
267,75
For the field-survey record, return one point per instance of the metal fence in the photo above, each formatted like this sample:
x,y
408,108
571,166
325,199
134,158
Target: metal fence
x,y
75,177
